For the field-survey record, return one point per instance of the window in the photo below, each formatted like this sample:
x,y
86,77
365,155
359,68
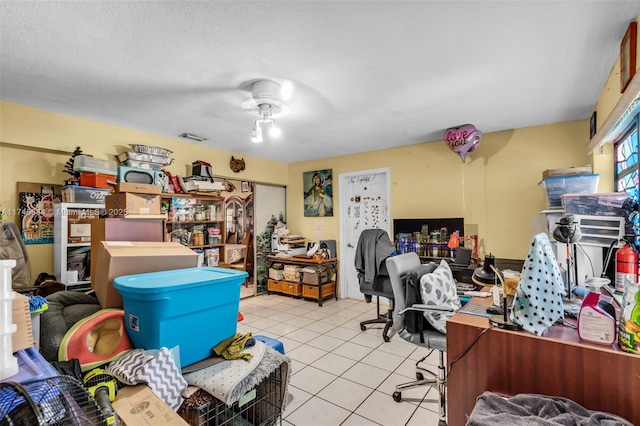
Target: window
x,y
627,170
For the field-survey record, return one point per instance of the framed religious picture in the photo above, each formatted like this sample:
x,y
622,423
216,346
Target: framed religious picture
x,y
628,56
318,193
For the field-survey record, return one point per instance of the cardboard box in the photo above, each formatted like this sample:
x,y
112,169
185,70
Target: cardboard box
x,y
79,224
117,258
128,203
139,188
139,406
584,170
21,317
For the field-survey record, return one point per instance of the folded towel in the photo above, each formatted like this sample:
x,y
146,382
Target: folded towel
x,y
232,347
538,300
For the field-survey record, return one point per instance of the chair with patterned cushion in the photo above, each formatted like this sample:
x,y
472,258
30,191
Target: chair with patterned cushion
x,y
405,272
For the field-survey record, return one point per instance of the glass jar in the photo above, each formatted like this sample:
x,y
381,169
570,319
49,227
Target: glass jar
x,y
200,214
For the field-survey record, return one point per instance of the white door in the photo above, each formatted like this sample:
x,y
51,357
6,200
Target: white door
x,y
364,204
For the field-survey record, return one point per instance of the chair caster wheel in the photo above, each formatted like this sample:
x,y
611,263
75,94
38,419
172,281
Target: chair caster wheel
x,y
397,396
419,376
386,338
363,328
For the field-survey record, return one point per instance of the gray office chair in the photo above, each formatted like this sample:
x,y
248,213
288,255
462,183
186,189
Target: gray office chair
x,y
399,268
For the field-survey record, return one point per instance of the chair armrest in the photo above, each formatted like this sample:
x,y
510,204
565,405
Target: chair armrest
x,y
426,308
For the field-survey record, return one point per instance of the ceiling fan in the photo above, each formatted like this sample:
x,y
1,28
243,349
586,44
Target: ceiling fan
x,y
266,102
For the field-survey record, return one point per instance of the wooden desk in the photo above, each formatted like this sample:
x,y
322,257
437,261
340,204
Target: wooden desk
x,y
601,378
332,264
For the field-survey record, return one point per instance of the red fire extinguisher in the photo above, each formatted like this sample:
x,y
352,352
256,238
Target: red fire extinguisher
x,y
626,266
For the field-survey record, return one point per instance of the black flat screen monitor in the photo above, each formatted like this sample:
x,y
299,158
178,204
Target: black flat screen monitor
x,y
409,226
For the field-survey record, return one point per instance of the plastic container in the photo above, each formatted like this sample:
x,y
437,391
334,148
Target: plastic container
x,y
557,186
84,194
31,366
143,165
84,163
193,308
8,362
97,180
599,204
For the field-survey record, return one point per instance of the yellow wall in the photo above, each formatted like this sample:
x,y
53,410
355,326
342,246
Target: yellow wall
x,y
36,144
496,191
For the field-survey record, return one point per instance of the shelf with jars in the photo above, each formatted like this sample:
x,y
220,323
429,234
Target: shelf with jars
x,y
196,221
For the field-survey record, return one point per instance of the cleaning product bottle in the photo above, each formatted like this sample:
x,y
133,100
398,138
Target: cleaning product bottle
x,y
629,324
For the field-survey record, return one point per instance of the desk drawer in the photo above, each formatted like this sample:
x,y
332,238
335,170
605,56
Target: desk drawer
x,y
311,291
274,285
292,289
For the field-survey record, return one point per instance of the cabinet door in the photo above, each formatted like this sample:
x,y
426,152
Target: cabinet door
x,y
234,220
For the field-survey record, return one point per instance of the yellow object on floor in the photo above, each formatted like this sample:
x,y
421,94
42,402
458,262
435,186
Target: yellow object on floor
x,y
232,347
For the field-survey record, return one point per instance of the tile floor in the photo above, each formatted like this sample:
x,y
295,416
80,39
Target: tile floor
x,y
340,374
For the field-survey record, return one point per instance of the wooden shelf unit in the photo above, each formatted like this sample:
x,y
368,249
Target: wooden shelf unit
x,y
190,216
305,290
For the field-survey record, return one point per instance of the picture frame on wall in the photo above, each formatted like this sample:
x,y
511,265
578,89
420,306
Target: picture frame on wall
x,y
592,125
628,56
318,193
245,186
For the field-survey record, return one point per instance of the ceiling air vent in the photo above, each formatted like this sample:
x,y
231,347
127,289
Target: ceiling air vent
x,y
193,137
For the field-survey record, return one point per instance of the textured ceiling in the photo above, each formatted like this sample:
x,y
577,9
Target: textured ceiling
x,y
362,75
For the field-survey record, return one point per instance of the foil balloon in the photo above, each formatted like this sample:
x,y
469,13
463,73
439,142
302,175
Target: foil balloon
x,y
463,140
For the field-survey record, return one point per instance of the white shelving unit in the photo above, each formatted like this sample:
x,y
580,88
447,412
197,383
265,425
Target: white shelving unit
x,y
61,246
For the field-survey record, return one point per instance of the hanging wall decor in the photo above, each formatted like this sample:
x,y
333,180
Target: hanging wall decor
x,y
318,193
463,140
628,56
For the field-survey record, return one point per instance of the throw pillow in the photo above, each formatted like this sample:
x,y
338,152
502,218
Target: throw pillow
x,y
438,288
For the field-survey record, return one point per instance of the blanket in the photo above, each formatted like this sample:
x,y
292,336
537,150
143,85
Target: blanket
x,y
540,410
229,380
538,300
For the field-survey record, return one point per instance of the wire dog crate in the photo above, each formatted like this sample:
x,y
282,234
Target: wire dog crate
x,y
58,400
261,406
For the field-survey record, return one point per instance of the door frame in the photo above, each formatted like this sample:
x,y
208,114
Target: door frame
x,y
345,267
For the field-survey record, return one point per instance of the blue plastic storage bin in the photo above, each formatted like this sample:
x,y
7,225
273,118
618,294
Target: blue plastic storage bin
x,y
194,308
560,185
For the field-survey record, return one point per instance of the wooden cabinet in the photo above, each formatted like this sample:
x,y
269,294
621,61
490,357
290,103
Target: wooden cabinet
x,y
196,221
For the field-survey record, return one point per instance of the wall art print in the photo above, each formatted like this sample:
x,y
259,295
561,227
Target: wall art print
x,y
318,193
36,217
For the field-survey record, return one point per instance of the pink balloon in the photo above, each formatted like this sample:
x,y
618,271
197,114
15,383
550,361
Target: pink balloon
x,y
463,140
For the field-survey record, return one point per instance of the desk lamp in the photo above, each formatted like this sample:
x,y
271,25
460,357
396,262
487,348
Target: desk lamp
x,y
567,231
489,275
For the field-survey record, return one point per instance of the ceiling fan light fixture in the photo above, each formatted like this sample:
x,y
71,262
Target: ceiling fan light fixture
x,y
274,131
256,133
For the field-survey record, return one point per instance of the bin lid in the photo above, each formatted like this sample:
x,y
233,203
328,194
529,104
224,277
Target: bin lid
x,y
176,279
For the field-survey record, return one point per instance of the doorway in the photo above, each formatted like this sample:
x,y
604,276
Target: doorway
x,y
365,203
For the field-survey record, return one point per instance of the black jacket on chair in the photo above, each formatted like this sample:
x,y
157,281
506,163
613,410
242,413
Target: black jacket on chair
x,y
374,246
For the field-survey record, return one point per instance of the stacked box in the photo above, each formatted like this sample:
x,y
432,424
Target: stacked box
x,y
558,186
292,273
318,275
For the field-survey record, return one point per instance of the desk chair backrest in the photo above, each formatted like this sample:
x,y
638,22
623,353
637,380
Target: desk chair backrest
x,y
398,267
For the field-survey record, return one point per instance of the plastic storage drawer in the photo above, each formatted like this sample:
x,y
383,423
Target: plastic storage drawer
x,y
84,194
